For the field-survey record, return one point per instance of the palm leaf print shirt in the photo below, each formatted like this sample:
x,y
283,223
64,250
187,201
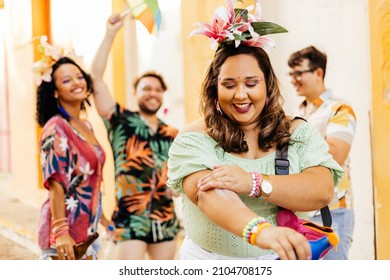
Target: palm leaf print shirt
x,y
140,158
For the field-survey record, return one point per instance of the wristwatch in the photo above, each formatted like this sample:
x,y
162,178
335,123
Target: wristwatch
x,y
266,187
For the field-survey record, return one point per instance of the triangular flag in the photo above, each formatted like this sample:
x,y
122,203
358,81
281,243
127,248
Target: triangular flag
x,y
147,12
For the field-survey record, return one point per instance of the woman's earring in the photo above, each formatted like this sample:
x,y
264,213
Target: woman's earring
x,y
62,111
218,107
87,101
266,101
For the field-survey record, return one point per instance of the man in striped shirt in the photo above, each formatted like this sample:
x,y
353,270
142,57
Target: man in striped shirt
x,y
336,121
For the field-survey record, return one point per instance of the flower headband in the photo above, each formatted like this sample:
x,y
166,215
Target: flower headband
x,y
42,69
239,26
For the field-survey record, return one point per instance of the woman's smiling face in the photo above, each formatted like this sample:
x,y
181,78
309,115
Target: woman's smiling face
x,y
71,85
241,89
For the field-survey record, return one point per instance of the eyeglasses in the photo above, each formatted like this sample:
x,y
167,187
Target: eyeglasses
x,y
297,74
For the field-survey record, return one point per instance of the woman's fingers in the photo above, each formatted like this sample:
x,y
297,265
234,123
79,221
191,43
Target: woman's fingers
x,y
65,253
286,242
227,177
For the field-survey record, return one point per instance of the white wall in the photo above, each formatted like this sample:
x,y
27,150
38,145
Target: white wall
x,y
22,100
340,28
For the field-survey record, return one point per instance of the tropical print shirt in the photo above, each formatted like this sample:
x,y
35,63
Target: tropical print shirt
x,y
76,165
333,117
140,158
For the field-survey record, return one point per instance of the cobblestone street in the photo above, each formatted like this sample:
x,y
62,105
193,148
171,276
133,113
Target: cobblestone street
x,y
10,250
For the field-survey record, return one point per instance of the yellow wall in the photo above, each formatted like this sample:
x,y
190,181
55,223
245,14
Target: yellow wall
x,y
40,12
379,13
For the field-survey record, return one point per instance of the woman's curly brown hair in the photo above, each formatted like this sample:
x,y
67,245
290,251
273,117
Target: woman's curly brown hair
x,y
273,123
46,102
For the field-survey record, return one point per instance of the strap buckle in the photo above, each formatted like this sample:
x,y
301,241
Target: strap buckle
x,y
281,166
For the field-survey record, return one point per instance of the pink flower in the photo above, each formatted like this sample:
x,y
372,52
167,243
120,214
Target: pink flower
x,y
239,26
218,31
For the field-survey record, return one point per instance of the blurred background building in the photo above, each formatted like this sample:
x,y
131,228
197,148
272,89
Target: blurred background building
x,y
355,34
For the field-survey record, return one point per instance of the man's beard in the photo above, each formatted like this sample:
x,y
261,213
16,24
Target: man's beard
x,y
144,109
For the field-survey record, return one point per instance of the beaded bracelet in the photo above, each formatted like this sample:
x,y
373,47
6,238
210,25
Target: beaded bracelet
x,y
253,228
255,191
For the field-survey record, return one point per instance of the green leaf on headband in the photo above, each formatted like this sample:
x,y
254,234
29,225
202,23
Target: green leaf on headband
x,y
242,37
264,28
241,12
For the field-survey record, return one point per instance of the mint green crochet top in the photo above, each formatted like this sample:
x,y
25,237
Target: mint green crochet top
x,y
196,151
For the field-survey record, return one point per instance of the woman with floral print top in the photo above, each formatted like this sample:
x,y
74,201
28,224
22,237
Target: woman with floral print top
x,y
71,158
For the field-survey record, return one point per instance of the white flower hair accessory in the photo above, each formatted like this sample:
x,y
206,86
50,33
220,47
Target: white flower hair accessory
x,y
42,69
239,26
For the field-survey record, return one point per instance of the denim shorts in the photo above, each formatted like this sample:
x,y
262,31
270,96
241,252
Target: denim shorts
x,y
343,222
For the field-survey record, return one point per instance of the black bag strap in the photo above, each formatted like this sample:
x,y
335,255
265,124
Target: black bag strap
x,y
282,168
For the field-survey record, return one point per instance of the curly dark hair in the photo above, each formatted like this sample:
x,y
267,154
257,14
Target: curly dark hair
x,y
273,123
46,102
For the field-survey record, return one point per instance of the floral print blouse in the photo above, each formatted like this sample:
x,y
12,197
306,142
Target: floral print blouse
x,y
76,165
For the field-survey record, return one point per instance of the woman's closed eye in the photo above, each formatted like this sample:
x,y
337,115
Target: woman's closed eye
x,y
249,84
229,85
252,84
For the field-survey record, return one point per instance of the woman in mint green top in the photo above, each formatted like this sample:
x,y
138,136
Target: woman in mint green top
x,y
219,164
194,151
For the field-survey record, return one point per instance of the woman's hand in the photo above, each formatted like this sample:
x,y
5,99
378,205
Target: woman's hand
x,y
230,177
115,22
64,245
286,242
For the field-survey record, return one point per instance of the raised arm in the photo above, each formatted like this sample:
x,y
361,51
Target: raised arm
x,y
104,101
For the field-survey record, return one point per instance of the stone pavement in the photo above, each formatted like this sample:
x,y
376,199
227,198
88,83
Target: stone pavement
x,y
18,229
13,251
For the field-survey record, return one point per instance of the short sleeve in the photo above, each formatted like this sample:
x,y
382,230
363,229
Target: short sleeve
x,y
190,152
56,161
312,150
343,123
117,111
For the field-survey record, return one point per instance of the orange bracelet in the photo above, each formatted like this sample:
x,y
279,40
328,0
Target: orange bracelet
x,y
256,230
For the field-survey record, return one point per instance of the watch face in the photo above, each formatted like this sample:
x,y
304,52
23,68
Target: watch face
x,y
266,187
